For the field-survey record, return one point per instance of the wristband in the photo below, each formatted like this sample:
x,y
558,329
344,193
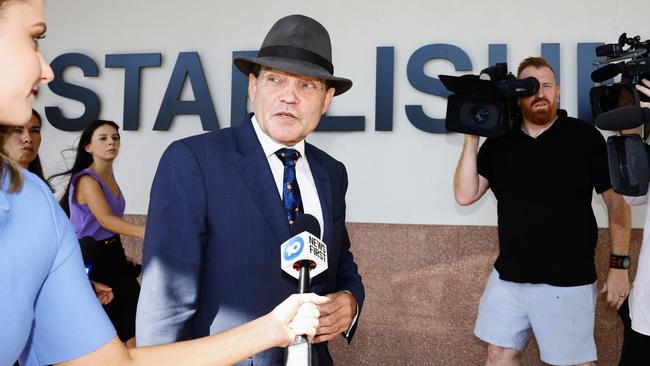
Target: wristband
x,y
619,261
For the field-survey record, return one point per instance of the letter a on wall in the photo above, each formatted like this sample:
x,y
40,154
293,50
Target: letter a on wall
x,y
188,66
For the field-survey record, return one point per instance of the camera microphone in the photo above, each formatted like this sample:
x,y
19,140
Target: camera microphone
x,y
606,72
623,118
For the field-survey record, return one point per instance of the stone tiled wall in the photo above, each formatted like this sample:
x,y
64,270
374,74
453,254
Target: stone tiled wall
x,y
423,285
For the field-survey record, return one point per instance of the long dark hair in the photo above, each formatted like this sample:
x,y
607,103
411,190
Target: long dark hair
x,y
35,166
82,160
7,165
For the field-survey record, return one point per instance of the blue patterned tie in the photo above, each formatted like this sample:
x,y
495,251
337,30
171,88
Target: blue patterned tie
x,y
290,190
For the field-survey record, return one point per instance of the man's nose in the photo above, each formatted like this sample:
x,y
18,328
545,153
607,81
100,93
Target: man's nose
x,y
289,93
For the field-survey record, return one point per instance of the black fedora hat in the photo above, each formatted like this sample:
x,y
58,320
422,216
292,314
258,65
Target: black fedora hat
x,y
299,45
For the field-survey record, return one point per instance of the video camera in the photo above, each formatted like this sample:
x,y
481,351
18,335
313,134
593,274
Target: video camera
x,y
616,107
605,98
485,104
628,155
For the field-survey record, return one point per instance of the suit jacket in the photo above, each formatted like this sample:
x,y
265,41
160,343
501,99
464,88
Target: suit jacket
x,y
211,258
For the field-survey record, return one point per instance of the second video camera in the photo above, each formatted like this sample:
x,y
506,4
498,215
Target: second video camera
x,y
628,155
605,98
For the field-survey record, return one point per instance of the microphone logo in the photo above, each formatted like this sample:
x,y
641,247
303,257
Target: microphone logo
x,y
303,247
293,248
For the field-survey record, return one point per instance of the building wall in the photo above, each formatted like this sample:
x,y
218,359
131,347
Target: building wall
x,y
424,259
423,286
376,160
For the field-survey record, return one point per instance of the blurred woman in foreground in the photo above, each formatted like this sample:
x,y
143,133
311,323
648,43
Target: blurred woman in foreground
x,y
48,311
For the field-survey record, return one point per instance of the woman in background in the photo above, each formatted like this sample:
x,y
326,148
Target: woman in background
x,y
95,204
23,142
22,145
48,311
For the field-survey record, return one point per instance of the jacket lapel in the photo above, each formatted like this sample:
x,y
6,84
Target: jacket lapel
x,y
324,189
256,173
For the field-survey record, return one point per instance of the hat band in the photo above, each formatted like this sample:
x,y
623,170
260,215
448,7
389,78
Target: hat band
x,y
298,54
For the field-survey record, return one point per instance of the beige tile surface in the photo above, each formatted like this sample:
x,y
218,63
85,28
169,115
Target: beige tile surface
x,y
423,284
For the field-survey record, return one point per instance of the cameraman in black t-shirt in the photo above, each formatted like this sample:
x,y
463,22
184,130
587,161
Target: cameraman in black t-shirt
x,y
544,279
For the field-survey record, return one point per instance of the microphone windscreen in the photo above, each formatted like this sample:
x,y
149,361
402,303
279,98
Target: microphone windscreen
x,y
606,72
623,118
307,223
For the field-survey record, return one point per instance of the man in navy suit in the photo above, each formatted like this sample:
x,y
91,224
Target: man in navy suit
x,y
223,202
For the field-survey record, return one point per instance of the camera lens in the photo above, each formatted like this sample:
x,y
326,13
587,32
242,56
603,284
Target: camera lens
x,y
479,114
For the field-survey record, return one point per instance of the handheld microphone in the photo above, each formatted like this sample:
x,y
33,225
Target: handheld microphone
x,y
606,72
623,118
303,256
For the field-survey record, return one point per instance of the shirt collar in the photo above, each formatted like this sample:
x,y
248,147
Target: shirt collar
x,y
559,122
269,145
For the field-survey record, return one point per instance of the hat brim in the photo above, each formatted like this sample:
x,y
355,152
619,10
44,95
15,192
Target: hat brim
x,y
298,67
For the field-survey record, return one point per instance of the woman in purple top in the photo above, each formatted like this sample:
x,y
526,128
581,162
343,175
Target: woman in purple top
x,y
95,204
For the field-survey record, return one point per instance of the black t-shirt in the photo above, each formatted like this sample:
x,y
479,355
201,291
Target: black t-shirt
x,y
543,185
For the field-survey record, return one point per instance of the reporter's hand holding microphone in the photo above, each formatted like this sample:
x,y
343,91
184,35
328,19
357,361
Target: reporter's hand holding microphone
x,y
297,315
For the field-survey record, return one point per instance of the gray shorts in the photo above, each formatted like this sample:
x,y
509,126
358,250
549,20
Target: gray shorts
x,y
562,319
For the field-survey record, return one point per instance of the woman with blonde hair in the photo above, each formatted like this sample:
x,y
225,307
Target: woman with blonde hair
x,y
48,311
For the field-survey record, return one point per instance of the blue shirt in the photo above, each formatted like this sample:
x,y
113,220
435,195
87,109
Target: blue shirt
x,y
48,310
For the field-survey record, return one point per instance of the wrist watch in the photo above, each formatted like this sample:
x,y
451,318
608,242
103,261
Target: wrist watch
x,y
619,261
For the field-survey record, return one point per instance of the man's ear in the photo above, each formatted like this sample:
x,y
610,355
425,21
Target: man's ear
x,y
252,86
329,94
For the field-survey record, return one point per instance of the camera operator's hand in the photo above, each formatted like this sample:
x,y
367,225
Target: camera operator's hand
x,y
645,89
469,186
616,287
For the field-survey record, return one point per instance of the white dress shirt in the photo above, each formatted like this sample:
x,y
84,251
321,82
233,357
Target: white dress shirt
x,y
310,201
308,193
